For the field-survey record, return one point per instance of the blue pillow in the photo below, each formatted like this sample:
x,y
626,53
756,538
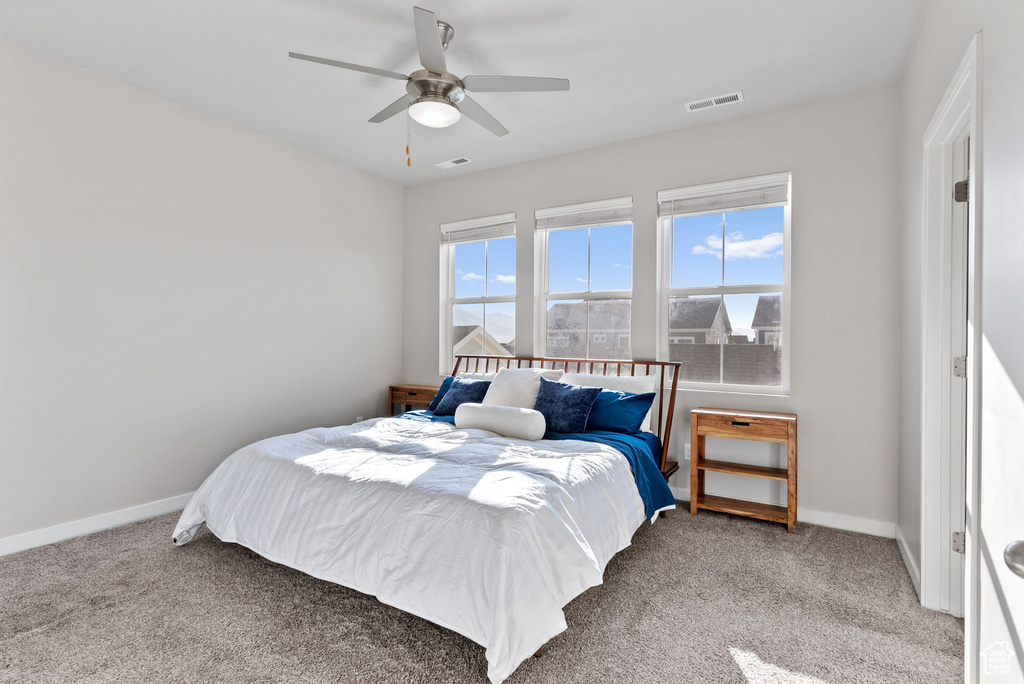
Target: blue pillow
x,y
441,391
461,391
565,407
619,411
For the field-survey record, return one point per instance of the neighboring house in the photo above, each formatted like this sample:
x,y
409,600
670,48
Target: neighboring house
x,y
698,320
471,339
701,338
767,322
608,329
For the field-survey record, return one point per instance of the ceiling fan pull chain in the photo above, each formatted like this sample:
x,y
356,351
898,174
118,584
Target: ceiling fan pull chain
x,y
408,140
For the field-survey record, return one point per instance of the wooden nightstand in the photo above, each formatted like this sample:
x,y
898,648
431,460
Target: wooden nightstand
x,y
409,396
754,425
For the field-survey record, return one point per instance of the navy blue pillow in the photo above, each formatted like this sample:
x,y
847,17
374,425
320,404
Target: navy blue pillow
x,y
441,391
619,411
461,391
565,407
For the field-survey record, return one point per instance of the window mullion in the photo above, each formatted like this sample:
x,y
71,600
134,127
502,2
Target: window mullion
x,y
483,300
586,302
721,304
590,296
671,251
760,288
721,340
483,322
723,250
590,285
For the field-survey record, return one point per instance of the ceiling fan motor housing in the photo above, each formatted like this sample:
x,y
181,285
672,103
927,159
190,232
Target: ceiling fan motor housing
x,y
424,82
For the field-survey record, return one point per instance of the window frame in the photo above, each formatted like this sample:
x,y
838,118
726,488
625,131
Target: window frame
x,y
448,300
542,297
666,291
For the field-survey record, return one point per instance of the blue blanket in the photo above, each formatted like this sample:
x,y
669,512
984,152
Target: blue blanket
x,y
642,450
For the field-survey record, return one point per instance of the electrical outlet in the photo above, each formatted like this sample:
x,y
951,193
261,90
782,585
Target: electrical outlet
x,y
686,451
359,419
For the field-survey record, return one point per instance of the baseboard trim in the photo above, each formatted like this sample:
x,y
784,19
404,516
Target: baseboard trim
x,y
852,523
97,523
106,521
839,521
908,560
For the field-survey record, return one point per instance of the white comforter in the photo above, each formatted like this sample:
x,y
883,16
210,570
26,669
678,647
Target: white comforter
x,y
484,535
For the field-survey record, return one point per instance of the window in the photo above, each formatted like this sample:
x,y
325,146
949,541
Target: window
x,y
585,280
478,288
724,306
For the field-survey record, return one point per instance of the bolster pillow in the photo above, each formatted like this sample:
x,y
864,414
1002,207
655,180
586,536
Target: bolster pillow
x,y
507,421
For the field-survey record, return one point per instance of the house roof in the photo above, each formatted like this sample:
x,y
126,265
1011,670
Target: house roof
x,y
693,313
685,313
461,332
768,313
612,314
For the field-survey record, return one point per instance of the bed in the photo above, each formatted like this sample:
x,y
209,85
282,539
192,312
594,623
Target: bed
x,y
485,535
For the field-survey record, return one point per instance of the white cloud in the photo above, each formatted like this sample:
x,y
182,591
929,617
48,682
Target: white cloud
x,y
581,280
470,277
737,247
506,278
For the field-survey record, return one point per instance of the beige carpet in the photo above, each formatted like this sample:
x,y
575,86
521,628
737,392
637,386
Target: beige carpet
x,y
705,599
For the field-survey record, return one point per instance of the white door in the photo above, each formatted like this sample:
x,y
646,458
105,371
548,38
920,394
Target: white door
x,y
995,592
1000,517
999,512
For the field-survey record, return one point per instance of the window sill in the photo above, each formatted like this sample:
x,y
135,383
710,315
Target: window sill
x,y
744,390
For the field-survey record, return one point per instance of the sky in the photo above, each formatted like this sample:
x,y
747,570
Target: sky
x,y
752,242
487,269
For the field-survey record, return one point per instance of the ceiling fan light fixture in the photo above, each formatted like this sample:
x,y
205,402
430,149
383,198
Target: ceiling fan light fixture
x,y
434,111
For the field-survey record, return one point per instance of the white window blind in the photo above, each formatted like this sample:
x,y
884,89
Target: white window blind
x,y
601,213
735,195
474,230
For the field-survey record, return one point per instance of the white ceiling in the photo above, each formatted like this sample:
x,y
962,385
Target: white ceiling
x,y
632,65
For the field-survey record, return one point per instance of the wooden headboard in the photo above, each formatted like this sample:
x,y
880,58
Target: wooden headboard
x,y
667,372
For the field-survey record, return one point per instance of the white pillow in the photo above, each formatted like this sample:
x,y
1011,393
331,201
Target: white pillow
x,y
635,384
518,386
477,376
507,421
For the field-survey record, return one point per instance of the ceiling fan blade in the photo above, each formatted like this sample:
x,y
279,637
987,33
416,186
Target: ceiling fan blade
x,y
349,65
513,84
477,113
428,41
396,107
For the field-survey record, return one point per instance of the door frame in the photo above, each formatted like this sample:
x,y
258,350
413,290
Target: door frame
x,y
959,111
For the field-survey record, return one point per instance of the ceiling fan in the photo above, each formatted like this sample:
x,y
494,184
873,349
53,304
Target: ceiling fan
x,y
435,97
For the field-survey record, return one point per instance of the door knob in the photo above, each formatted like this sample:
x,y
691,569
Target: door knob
x,y
1014,557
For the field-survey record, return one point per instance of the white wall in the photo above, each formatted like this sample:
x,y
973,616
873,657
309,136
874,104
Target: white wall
x,y
946,30
844,155
172,287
